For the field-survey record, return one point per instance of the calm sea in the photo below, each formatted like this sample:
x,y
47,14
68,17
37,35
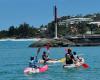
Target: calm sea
x,y
14,58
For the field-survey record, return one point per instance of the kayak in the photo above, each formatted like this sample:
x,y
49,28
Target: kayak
x,y
77,64
30,70
49,61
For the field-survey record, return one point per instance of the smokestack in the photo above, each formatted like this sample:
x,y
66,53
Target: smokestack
x,y
55,13
55,19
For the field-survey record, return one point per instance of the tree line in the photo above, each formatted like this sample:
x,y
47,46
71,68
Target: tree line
x,y
23,31
26,31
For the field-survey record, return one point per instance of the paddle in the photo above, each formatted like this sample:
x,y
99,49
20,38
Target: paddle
x,y
48,47
37,53
85,65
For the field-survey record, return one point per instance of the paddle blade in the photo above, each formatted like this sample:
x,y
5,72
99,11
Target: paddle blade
x,y
48,46
38,50
62,60
85,65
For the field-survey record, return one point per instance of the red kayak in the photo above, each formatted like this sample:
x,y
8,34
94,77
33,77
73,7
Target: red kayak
x,y
29,70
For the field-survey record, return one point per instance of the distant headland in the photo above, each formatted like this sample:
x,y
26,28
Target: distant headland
x,y
86,40
61,32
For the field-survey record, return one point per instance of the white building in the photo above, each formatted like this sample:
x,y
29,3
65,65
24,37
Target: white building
x,y
97,23
75,20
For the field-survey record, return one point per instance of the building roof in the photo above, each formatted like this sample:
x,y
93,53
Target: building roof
x,y
75,20
97,22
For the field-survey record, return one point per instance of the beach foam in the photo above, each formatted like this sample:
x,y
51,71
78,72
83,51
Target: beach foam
x,y
32,39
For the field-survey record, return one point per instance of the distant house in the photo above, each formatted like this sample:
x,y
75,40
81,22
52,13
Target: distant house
x,y
75,20
96,22
43,29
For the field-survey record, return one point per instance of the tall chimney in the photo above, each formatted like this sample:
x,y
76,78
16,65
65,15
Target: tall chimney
x,y
55,19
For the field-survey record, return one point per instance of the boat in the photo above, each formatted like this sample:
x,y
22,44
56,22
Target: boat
x,y
77,64
30,70
51,61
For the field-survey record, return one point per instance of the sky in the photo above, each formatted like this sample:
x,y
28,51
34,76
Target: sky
x,y
38,12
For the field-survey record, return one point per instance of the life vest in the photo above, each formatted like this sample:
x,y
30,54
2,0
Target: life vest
x,y
68,57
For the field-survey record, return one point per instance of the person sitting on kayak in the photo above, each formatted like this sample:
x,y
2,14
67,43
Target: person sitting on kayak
x,y
45,57
69,57
76,57
32,62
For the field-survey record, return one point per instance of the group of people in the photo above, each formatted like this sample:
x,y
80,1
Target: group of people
x,y
71,58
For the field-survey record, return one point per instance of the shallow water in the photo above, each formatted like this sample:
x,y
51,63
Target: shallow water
x,y
14,58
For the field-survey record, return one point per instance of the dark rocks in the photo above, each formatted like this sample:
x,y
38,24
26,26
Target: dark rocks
x,y
66,42
53,43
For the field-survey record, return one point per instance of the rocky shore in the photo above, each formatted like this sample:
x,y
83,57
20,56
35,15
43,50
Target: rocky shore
x,y
64,43
53,43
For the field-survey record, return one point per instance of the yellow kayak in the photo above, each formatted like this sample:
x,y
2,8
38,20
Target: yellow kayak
x,y
53,61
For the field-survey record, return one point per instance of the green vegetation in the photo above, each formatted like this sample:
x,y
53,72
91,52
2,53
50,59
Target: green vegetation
x,y
23,31
76,28
26,31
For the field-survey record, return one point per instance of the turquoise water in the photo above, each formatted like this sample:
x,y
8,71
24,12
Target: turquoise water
x,y
14,58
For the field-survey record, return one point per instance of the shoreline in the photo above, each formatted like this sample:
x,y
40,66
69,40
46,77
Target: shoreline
x,y
21,39
41,42
62,43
